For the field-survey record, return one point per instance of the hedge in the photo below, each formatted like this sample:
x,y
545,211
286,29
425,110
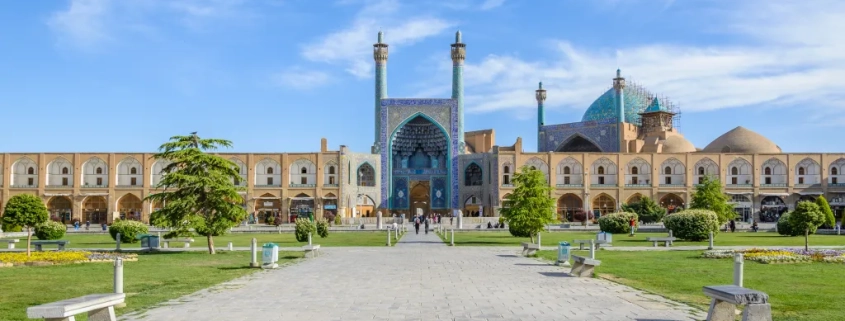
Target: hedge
x,y
50,230
303,227
323,227
617,223
693,224
129,230
784,228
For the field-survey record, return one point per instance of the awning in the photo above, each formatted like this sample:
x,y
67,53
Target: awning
x,y
58,194
774,194
810,193
301,198
267,198
94,194
739,193
329,197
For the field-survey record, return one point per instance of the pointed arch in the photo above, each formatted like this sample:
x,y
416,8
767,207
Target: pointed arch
x,y
672,172
567,205
705,167
331,172
774,172
157,171
130,207
95,173
507,171
740,172
473,175
60,172
808,172
569,172
268,172
60,208
672,202
577,143
24,172
539,164
638,172
603,172
303,172
636,198
836,172
266,205
366,174
242,171
604,204
419,142
130,172
95,209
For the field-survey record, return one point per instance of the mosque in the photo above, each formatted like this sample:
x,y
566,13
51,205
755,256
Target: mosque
x,y
627,146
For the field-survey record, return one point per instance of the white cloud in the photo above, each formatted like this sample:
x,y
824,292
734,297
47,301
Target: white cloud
x,y
786,59
82,23
298,78
490,4
344,47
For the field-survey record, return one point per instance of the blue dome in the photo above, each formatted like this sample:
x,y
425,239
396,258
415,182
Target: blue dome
x,y
604,107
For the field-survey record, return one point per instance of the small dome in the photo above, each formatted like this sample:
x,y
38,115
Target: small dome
x,y
742,140
677,144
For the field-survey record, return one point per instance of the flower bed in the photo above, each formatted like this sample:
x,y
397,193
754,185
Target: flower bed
x,y
770,256
61,257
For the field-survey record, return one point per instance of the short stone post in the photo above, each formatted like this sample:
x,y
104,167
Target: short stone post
x,y
539,241
710,244
231,246
117,239
460,220
738,265
309,238
670,235
388,237
378,220
453,237
118,275
254,248
159,239
592,249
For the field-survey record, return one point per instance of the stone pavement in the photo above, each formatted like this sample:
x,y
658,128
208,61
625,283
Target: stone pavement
x,y
419,279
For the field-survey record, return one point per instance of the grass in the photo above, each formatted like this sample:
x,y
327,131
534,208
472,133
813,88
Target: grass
x,y
796,291
721,239
153,279
87,241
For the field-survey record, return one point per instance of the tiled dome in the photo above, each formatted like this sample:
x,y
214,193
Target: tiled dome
x,y
604,106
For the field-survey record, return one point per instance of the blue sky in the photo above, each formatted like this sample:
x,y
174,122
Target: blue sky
x,y
277,75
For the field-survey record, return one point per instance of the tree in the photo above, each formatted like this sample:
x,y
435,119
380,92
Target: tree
x,y
824,206
647,210
25,210
806,217
529,208
709,196
197,189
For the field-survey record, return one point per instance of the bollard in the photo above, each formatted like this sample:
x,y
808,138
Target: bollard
x,y
118,275
254,246
539,241
670,235
453,237
231,247
117,239
309,239
710,245
592,249
159,239
738,262
388,237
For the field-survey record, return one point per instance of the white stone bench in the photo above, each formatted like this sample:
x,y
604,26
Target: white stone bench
x,y
166,243
596,242
60,243
11,242
100,307
725,299
313,249
583,266
529,248
667,241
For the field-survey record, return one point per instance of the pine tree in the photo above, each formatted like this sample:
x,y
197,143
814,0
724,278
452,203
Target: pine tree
x,y
824,206
529,208
709,196
197,189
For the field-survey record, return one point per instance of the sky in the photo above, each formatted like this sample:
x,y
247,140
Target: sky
x,y
279,75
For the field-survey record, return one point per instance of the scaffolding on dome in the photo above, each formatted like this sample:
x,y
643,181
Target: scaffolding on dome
x,y
646,96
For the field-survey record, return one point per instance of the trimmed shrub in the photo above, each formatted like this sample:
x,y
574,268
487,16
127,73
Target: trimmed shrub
x,y
693,224
337,220
129,230
9,227
303,227
617,223
784,228
270,220
581,216
50,230
322,228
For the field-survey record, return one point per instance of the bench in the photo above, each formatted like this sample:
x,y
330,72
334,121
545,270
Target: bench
x,y
11,242
596,242
313,249
529,248
100,307
60,243
667,241
725,299
583,266
166,243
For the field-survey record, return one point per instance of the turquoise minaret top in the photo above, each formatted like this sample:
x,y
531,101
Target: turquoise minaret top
x,y
458,57
380,56
619,101
540,94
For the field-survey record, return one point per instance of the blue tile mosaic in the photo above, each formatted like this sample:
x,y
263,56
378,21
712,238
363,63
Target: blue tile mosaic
x,y
603,133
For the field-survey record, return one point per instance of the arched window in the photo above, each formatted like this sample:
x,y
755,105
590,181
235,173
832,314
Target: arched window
x,y
507,169
601,170
635,171
303,170
99,170
800,170
834,171
566,170
366,175
473,175
734,171
533,168
768,171
30,171
133,171
331,170
269,170
701,170
667,170
64,170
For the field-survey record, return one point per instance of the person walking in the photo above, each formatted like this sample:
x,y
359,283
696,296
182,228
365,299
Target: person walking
x,y
633,224
426,225
733,226
417,224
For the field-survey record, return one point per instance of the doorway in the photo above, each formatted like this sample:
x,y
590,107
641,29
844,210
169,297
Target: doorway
x,y
420,197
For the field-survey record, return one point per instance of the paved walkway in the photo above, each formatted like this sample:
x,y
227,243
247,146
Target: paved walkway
x,y
419,279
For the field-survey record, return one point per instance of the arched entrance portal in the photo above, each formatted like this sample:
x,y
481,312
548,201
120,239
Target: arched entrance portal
x,y
60,208
94,210
472,207
129,207
636,198
603,204
419,163
771,208
578,144
267,205
567,205
301,206
672,203
364,207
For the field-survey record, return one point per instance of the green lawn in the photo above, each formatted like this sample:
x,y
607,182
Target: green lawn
x,y
239,239
721,239
154,278
797,291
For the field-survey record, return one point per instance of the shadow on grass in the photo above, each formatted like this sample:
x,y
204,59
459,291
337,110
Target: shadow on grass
x,y
556,274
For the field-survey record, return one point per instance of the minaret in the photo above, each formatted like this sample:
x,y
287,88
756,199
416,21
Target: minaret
x,y
540,94
380,56
619,88
458,56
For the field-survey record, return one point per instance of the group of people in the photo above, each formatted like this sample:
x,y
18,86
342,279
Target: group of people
x,y
732,226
